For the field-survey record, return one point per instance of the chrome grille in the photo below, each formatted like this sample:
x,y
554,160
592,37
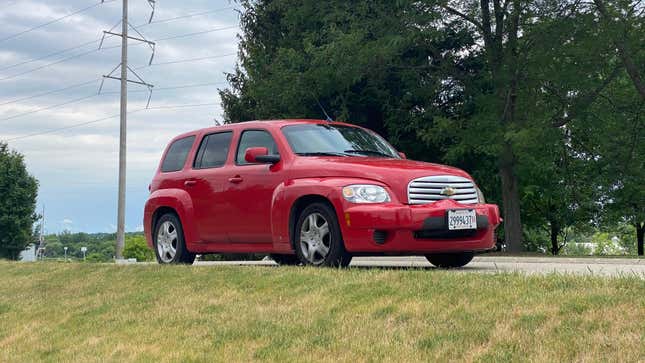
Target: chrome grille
x,y
429,189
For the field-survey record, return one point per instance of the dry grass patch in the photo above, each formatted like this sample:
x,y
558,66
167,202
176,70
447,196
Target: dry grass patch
x,y
85,312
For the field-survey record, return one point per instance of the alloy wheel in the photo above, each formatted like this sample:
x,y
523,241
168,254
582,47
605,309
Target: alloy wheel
x,y
315,238
167,241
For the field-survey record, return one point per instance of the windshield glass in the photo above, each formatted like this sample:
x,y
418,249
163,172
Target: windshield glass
x,y
336,140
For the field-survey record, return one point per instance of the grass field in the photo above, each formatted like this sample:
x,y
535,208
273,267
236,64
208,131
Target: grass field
x,y
91,312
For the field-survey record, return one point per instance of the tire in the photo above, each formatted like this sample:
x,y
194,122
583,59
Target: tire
x,y
317,238
169,242
286,260
450,260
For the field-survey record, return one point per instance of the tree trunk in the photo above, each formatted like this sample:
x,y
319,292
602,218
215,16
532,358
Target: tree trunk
x,y
511,202
555,231
640,230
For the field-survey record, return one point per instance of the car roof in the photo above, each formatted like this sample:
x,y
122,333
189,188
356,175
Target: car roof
x,y
260,124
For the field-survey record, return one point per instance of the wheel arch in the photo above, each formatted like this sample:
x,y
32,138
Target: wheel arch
x,y
160,212
298,206
170,201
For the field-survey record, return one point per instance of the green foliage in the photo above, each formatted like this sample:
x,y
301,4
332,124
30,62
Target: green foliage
x,y
535,91
18,192
100,246
137,247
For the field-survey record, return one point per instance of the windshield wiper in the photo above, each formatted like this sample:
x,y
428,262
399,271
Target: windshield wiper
x,y
321,153
368,152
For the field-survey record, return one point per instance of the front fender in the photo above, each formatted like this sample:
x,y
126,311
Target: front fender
x,y
287,193
178,200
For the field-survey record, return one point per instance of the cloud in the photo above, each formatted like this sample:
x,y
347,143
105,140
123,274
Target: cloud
x,y
77,168
67,221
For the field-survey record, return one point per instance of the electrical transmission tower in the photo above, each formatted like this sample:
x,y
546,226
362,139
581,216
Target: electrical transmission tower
x,y
125,26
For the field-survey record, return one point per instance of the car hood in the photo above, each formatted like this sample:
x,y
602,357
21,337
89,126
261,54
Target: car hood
x,y
395,173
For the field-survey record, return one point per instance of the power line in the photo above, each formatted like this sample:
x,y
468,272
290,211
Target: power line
x,y
77,100
98,79
54,21
109,117
81,99
54,63
189,60
111,47
183,17
48,55
196,33
50,92
58,52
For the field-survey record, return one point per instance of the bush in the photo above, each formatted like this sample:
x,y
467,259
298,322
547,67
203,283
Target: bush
x,y
137,247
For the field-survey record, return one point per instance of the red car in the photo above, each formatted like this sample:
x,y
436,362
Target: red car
x,y
310,192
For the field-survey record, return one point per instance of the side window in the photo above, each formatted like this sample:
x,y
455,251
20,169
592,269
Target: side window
x,y
213,151
255,138
177,154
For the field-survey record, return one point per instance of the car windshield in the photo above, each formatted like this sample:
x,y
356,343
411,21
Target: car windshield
x,y
336,140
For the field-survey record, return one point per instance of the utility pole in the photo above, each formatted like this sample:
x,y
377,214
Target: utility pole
x,y
123,124
120,229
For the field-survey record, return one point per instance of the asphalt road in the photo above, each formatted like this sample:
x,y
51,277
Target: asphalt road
x,y
490,264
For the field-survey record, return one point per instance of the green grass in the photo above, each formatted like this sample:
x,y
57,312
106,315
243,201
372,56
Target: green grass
x,y
89,312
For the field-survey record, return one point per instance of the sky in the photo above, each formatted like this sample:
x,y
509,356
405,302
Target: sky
x,y
77,167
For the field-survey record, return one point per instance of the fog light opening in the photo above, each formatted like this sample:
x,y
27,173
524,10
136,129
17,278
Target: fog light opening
x,y
380,237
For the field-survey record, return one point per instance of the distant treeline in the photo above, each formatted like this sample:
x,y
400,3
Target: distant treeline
x,y
100,246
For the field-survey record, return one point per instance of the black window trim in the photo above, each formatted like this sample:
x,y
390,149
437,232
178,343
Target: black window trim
x,y
239,142
183,166
201,142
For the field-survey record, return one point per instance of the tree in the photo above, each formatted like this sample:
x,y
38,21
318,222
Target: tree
x,y
506,89
623,20
613,135
18,192
360,61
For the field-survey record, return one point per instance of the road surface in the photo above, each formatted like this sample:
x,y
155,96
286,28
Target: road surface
x,y
492,264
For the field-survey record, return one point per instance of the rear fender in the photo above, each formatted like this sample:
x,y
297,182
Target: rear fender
x,y
178,200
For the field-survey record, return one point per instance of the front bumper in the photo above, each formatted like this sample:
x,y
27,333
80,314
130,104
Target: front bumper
x,y
394,228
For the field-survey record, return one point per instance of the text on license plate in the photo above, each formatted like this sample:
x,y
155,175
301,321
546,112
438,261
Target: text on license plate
x,y
462,219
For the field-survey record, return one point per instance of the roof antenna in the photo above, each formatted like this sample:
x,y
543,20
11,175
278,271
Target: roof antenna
x,y
328,119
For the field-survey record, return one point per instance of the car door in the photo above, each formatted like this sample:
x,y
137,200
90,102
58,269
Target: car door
x,y
206,185
250,190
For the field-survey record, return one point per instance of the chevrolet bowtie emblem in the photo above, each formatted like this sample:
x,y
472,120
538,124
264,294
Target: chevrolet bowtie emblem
x,y
448,191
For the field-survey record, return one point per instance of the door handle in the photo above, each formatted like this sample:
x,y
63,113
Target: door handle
x,y
190,183
236,179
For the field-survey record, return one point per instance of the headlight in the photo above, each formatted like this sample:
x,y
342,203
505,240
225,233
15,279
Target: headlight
x,y
480,196
365,193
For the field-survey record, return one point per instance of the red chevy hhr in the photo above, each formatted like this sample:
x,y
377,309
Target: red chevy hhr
x,y
310,192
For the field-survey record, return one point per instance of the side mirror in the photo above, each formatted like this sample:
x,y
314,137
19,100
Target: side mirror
x,y
260,155
402,155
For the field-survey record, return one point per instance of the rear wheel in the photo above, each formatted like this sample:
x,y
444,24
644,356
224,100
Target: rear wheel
x,y
169,243
318,240
287,260
450,260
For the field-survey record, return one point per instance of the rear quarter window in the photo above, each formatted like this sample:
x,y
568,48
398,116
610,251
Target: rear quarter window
x,y
177,154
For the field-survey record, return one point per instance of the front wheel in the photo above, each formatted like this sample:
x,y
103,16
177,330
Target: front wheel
x,y
318,240
169,243
450,260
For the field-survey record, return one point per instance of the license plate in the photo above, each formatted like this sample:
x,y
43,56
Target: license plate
x,y
462,219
